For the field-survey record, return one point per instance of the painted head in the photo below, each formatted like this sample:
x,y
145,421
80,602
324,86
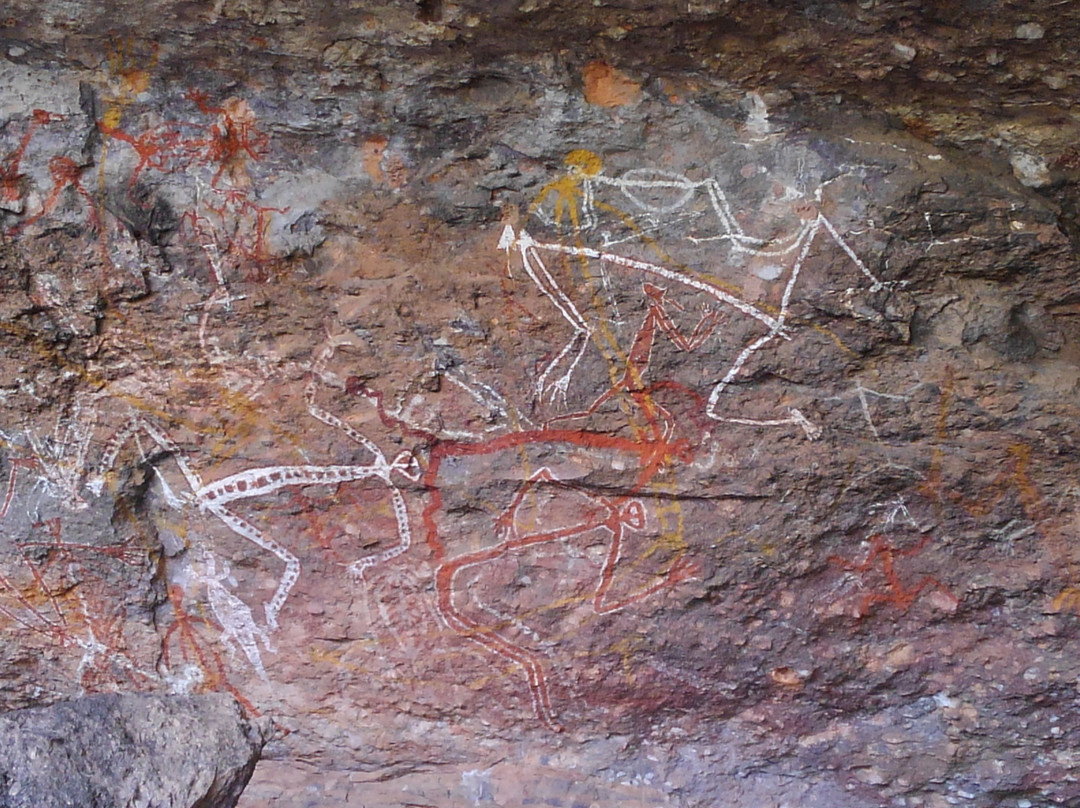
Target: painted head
x,y
584,163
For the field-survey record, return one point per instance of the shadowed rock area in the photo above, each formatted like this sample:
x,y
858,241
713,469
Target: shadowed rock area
x,y
122,751
547,402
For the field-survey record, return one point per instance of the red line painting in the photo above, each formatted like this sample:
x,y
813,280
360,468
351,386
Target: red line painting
x,y
69,604
544,511
166,148
232,139
640,354
879,575
189,655
65,173
225,145
10,177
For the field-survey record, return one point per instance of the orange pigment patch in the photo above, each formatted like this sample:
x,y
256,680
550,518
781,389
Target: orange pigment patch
x,y
607,87
372,154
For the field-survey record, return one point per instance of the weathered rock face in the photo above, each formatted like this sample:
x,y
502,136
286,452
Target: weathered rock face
x,y
114,751
585,405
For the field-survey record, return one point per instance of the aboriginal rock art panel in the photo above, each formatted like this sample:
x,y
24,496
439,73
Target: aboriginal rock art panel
x,y
557,510
595,240
66,472
676,329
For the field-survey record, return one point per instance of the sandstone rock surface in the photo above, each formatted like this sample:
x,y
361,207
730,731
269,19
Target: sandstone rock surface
x,y
570,402
127,751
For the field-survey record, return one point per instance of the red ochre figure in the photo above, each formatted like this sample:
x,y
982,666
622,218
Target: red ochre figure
x,y
650,453
10,178
637,360
614,515
882,558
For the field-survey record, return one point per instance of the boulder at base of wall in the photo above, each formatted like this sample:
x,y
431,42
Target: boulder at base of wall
x,y
123,751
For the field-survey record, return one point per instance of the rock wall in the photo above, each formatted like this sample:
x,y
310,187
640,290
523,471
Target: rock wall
x,y
546,403
127,751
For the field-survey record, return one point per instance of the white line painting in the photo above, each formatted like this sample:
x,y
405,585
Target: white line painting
x,y
404,464
59,460
217,497
62,466
577,200
232,614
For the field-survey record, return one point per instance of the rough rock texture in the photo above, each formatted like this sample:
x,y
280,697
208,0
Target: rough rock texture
x,y
127,751
550,402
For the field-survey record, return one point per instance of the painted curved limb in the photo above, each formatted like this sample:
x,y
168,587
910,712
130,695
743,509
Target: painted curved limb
x,y
682,570
292,564
632,516
401,515
9,166
733,371
604,397
489,639
525,241
654,179
328,418
538,273
404,463
16,464
588,202
832,231
130,430
796,417
722,208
